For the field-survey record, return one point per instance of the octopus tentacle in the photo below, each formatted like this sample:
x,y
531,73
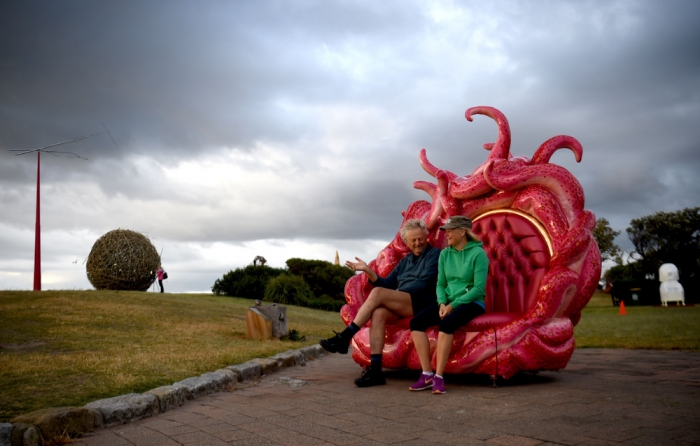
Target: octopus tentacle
x,y
588,281
430,168
425,186
560,181
495,200
500,148
472,186
541,203
547,149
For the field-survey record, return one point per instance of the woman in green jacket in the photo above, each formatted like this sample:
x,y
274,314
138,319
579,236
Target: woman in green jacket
x,y
461,288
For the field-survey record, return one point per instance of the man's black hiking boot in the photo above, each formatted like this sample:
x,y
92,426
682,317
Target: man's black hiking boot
x,y
336,344
370,377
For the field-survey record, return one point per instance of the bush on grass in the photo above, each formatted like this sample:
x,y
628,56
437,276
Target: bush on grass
x,y
247,282
324,281
293,290
288,289
327,281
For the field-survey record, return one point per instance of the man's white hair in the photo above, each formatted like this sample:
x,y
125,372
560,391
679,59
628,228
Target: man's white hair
x,y
410,225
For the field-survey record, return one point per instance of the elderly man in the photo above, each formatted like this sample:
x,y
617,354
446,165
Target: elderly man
x,y
406,291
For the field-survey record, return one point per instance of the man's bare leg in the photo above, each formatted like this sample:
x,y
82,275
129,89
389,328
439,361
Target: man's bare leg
x,y
382,306
398,302
373,375
380,317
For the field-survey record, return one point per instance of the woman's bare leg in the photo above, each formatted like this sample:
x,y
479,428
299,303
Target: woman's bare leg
x,y
444,345
422,344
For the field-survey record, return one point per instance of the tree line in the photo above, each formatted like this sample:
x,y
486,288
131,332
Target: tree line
x,y
663,237
308,283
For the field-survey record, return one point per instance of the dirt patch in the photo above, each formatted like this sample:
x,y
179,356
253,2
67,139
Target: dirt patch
x,y
22,347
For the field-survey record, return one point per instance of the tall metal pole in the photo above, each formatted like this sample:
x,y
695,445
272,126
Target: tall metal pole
x,y
37,229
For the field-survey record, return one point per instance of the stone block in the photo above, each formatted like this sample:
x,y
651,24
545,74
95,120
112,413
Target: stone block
x,y
31,436
230,373
266,321
55,421
170,397
6,434
247,370
99,418
290,358
124,408
17,437
268,365
207,383
312,351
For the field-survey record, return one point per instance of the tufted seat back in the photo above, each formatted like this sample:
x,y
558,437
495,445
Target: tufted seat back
x,y
519,251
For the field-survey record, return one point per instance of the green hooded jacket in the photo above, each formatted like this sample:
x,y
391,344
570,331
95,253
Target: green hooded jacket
x,y
462,275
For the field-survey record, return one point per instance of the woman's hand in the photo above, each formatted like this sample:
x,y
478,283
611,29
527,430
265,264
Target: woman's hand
x,y
445,310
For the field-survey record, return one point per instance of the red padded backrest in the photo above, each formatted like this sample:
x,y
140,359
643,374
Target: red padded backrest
x,y
518,258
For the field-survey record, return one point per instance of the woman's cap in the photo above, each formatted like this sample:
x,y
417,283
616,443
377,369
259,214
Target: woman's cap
x,y
457,221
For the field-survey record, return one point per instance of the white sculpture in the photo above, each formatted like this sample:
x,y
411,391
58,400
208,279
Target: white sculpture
x,y
671,290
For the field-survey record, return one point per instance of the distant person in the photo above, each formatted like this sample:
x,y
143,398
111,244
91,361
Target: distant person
x,y
159,274
461,288
407,290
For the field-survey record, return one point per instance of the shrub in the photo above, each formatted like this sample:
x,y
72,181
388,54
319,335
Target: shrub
x,y
247,282
288,289
324,303
324,278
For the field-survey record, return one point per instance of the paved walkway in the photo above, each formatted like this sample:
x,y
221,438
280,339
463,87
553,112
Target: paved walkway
x,y
603,397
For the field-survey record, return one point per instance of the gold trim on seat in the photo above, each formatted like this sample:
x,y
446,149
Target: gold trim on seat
x,y
543,232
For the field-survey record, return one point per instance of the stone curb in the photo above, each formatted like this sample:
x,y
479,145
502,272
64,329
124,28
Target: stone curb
x,y
25,430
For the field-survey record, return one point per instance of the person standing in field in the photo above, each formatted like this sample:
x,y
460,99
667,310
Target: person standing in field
x,y
159,275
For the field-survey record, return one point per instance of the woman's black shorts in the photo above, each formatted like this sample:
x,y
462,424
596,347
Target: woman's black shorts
x,y
458,317
422,300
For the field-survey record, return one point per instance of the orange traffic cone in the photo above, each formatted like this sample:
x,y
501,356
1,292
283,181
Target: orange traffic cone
x,y
622,308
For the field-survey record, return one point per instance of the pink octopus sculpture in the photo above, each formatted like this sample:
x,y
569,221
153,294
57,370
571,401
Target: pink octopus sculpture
x,y
544,263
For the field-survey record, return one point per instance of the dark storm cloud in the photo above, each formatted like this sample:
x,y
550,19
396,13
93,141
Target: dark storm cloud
x,y
182,76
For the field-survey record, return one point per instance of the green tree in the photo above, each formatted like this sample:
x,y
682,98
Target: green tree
x,y
288,289
247,282
605,237
668,237
325,279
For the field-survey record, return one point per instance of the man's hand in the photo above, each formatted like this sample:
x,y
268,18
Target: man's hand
x,y
360,265
445,310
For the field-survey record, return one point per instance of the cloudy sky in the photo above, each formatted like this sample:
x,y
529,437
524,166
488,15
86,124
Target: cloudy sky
x,y
292,128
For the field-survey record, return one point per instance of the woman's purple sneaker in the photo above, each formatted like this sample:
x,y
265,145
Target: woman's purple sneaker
x,y
424,382
438,385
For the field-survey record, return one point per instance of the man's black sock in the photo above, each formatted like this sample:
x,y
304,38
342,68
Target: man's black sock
x,y
349,332
376,362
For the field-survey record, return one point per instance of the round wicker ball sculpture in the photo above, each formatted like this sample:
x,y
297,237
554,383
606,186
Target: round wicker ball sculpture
x,y
122,260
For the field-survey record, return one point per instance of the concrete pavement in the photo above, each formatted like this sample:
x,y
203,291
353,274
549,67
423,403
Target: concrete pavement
x,y
603,397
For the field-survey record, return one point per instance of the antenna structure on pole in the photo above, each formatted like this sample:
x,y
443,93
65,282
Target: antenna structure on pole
x,y
39,151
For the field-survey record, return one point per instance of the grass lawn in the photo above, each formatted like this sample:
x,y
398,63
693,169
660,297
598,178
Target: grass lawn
x,y
663,328
67,348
